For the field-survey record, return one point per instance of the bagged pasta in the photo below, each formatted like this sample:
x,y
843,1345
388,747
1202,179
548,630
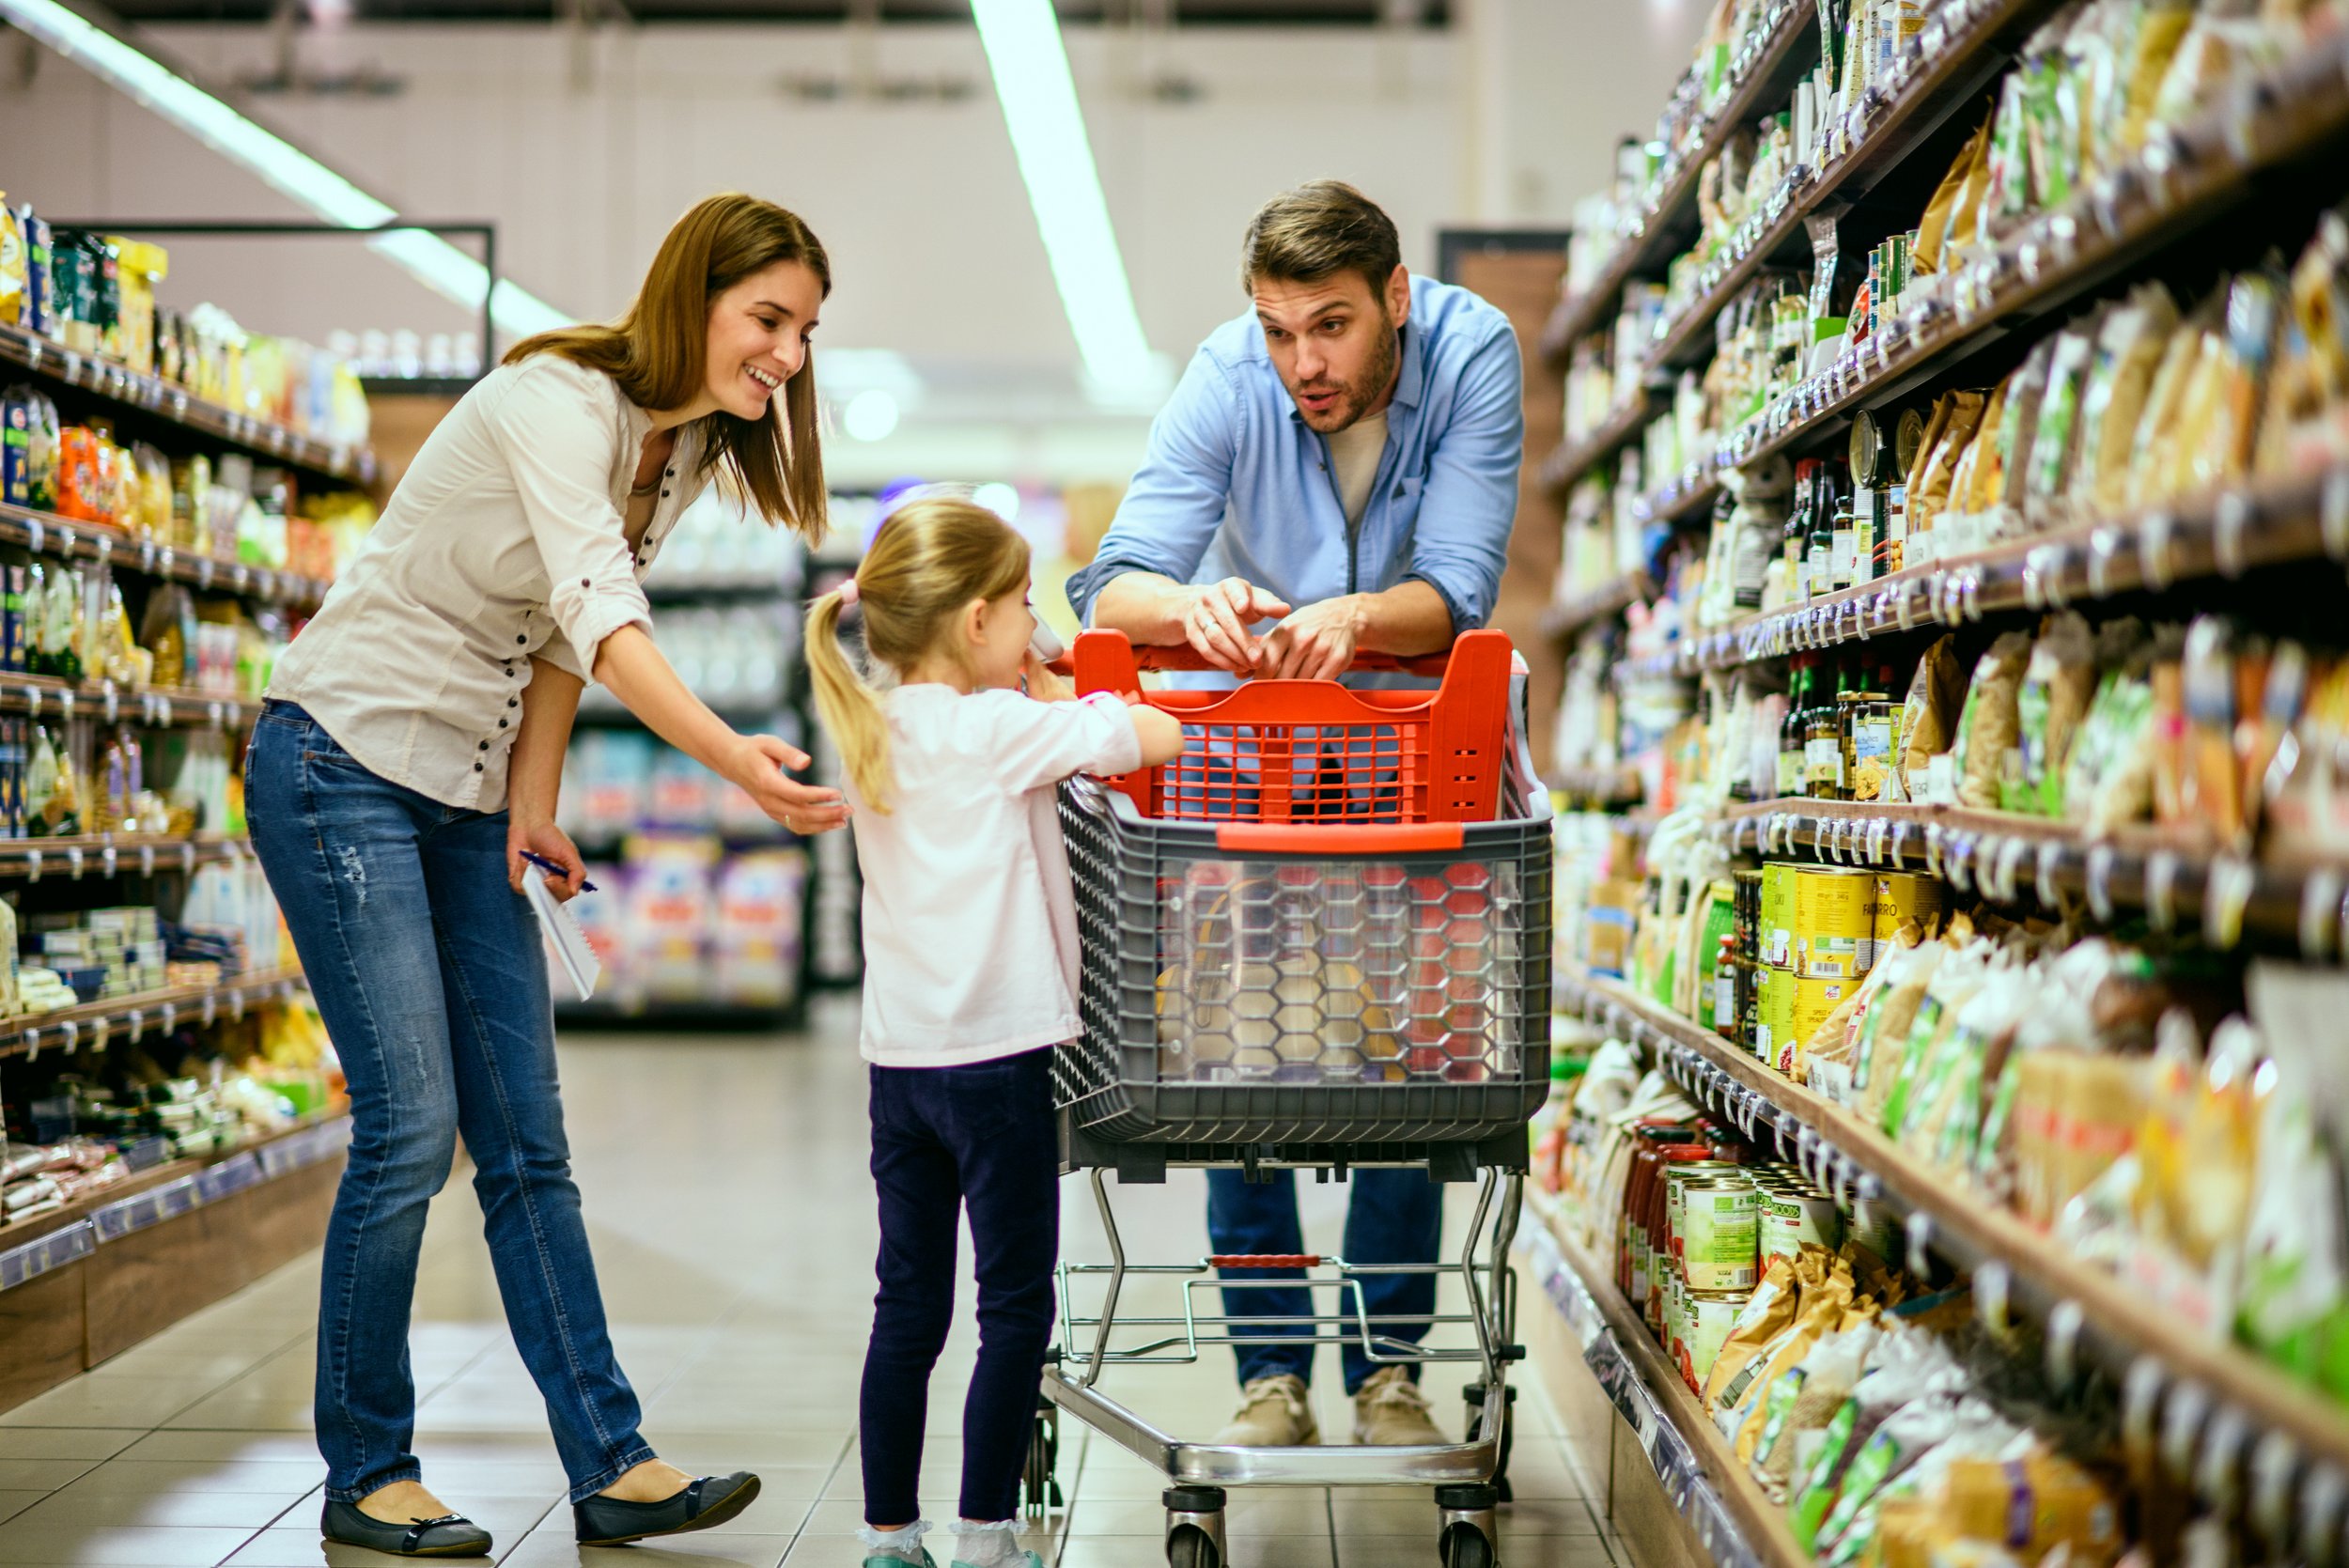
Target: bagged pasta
x,y
2057,688
1893,1078
2165,403
1989,728
2211,786
1910,1366
1735,1399
2161,27
2305,424
1929,717
2128,351
1933,233
1806,1396
2018,420
2051,446
2219,422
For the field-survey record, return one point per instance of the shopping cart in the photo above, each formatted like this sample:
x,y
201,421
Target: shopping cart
x,y
1319,939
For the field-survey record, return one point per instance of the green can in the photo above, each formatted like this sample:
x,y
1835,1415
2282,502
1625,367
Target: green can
x,y
1791,1218
1721,1247
1778,914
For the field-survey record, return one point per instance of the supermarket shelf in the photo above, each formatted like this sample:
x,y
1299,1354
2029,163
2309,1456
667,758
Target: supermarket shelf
x,y
1603,786
32,1248
1944,67
1730,1519
98,1022
2223,534
161,705
68,539
1577,458
1570,615
2173,879
1762,77
114,854
2174,185
2233,1395
1685,497
95,376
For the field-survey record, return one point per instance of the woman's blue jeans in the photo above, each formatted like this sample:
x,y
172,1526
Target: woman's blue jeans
x,y
428,972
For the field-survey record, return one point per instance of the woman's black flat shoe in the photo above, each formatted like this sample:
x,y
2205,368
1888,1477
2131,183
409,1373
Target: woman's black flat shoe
x,y
711,1499
447,1536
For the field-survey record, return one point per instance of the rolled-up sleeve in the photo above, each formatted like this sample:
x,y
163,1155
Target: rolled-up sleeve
x,y
1029,745
1179,495
1470,500
561,443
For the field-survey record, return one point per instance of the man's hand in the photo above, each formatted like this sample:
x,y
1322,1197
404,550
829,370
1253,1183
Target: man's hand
x,y
1216,621
549,842
756,765
1315,644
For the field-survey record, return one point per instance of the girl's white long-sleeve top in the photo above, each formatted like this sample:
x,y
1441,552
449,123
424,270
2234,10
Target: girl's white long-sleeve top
x,y
504,540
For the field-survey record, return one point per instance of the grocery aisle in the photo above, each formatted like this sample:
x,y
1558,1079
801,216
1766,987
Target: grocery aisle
x,y
733,1227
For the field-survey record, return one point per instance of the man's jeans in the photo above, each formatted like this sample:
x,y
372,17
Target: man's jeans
x,y
1393,1216
428,972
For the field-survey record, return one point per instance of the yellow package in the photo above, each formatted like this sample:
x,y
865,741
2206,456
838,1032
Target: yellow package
x,y
1735,1399
2129,351
12,265
2165,403
1929,492
1933,233
2034,1505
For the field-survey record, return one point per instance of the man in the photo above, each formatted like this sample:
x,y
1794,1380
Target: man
x,y
1336,472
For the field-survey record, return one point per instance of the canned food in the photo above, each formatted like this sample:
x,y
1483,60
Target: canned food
x,y
1811,1005
1791,1219
1722,1237
1676,1183
1900,896
1775,1020
1872,1227
1675,1317
1833,913
1778,914
1709,1314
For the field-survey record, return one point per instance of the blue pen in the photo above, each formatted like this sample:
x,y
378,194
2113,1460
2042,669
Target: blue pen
x,y
552,869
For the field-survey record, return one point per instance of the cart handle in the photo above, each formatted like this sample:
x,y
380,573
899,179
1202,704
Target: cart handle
x,y
1264,1259
1333,838
1182,656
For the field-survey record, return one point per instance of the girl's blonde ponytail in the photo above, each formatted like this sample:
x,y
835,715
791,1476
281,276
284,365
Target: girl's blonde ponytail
x,y
850,708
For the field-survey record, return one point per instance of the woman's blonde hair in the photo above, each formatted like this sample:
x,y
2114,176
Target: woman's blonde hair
x,y
929,560
657,348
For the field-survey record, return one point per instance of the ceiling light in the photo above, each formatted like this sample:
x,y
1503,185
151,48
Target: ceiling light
x,y
871,415
1048,136
432,260
999,498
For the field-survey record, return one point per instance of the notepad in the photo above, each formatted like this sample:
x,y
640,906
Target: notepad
x,y
568,943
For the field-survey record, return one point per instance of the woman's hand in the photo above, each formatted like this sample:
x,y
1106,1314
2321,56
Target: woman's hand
x,y
756,764
552,842
1043,684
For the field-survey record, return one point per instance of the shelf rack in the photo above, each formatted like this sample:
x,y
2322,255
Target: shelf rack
x,y
95,376
1569,463
70,539
1768,72
2224,534
1604,603
97,1023
2229,1420
1724,1510
1603,786
81,855
163,707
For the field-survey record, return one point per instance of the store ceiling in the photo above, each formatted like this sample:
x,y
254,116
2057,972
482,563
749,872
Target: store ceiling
x,y
1217,13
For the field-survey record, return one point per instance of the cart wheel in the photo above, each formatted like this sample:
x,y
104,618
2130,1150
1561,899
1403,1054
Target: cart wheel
x,y
1189,1547
1040,1485
1466,1546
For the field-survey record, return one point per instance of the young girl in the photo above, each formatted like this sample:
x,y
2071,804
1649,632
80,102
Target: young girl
x,y
971,968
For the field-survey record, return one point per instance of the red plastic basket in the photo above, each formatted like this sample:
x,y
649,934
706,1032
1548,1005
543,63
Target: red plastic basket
x,y
1312,751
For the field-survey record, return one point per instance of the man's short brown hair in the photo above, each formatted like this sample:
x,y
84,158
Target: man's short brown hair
x,y
1316,231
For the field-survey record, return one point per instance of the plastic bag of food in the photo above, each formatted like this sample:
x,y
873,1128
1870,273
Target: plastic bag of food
x,y
1806,1396
1928,721
2018,421
1877,1041
1736,1398
1911,1455
2162,26
2152,447
1954,980
2220,423
1933,233
2057,685
2296,1294
2129,352
2051,446
2211,793
1987,730
2107,777
1929,492
1943,1115
2306,423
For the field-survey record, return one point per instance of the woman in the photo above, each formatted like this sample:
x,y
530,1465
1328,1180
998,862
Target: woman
x,y
408,759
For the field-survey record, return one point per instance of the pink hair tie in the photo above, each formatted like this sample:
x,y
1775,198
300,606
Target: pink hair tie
x,y
848,594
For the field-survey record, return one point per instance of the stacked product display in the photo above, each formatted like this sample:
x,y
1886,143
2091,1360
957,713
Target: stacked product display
x,y
1946,1153
700,903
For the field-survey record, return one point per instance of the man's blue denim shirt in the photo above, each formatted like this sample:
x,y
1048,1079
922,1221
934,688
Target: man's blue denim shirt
x,y
1237,485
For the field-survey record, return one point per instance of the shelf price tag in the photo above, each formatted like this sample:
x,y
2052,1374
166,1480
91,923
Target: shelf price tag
x,y
2229,523
2161,886
2044,870
2218,1464
32,865
2102,546
2323,1499
36,534
2274,1462
1920,1237
2100,859
2062,1343
2140,1396
2156,557
2225,894
1877,830
2183,1415
73,862
2332,512
2009,860
2319,896
1992,1283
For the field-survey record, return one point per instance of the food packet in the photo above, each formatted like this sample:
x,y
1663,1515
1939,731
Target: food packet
x,y
1877,1043
2112,734
1959,529
2307,787
1934,231
2219,425
1767,1314
13,275
2161,27
2305,424
1943,1113
2057,685
1804,1397
2212,785
2051,446
2018,420
1899,1439
1930,491
2034,1505
2165,403
1981,481
1977,1432
1937,691
2128,351
1906,1365
1735,1399
1987,729
1954,980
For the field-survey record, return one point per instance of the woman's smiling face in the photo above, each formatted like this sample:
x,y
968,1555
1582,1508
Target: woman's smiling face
x,y
758,336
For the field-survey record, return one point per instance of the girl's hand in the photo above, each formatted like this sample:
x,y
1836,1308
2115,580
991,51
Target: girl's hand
x,y
1043,684
544,839
756,764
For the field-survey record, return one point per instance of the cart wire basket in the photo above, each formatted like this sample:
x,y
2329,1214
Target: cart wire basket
x,y
1326,925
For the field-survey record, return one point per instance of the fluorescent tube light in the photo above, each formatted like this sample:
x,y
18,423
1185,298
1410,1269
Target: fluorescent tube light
x,y
1048,136
432,260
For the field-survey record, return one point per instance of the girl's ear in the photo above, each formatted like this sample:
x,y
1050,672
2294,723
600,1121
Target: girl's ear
x,y
975,623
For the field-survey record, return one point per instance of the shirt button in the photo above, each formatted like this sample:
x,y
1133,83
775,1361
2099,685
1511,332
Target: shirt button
x,y
485,745
665,492
476,768
523,638
513,701
501,723
585,583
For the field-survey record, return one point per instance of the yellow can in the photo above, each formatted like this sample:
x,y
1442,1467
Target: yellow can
x,y
1809,1005
1903,895
1834,922
1778,914
1777,1014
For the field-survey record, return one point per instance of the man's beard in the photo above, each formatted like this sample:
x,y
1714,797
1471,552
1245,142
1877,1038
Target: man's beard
x,y
1355,398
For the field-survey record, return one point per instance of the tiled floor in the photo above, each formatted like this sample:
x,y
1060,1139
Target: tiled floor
x,y
732,1228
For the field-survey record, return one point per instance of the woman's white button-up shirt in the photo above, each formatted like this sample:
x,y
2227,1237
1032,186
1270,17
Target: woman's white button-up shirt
x,y
504,540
